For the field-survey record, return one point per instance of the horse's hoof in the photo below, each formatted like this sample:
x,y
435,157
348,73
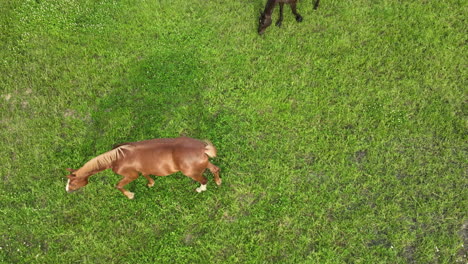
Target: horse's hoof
x,y
298,18
130,195
150,184
278,24
219,182
202,188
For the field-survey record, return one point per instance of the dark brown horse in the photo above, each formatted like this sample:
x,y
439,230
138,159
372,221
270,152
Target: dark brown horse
x,y
265,16
160,157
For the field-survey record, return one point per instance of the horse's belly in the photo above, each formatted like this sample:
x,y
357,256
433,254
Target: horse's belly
x,y
160,169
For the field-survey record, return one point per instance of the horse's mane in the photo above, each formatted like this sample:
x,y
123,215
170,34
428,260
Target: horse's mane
x,y
119,145
103,161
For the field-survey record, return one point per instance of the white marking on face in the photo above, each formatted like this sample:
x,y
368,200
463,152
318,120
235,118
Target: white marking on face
x,y
202,188
68,185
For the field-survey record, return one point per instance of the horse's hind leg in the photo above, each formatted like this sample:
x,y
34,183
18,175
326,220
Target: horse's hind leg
x,y
128,177
198,176
294,11
215,170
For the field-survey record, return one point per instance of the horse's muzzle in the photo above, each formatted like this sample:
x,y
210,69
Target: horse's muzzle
x,y
67,188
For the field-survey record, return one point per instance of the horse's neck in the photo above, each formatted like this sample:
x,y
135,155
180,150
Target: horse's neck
x,y
100,163
86,173
270,5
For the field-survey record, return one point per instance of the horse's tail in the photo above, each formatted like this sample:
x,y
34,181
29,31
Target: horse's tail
x,y
210,149
103,161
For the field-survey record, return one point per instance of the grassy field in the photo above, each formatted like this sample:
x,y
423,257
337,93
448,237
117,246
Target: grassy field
x,y
341,139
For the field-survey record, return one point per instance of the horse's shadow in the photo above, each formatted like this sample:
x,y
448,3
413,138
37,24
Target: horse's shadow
x,y
158,99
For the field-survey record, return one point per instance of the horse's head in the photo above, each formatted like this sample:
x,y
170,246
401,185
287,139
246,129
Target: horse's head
x,y
264,21
74,183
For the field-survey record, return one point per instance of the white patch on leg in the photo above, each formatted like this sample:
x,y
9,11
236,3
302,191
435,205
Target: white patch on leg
x,y
202,188
68,185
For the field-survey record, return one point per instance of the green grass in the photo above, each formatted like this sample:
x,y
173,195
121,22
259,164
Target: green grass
x,y
341,139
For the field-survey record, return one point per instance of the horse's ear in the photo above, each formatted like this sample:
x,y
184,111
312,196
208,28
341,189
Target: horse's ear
x,y
72,175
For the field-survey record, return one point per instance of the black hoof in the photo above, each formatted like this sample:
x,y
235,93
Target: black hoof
x,y
278,24
298,18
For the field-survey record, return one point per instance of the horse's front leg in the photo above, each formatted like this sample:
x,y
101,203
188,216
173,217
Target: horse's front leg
x,y
128,178
280,20
316,4
294,11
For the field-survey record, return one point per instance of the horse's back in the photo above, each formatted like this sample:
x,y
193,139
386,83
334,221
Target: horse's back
x,y
165,156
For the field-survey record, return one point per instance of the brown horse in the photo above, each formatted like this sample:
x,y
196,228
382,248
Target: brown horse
x,y
160,157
